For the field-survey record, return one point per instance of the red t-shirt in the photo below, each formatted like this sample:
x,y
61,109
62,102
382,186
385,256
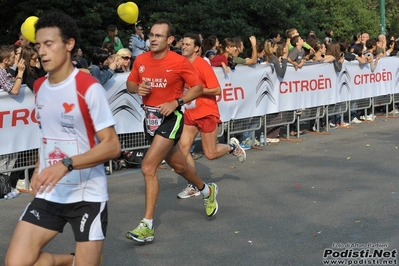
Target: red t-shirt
x,y
218,60
167,76
206,104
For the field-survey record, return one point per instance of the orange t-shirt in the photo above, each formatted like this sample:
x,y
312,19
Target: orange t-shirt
x,y
205,104
167,76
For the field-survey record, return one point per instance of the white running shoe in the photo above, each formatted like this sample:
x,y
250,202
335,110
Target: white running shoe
x,y
238,151
356,121
332,125
188,192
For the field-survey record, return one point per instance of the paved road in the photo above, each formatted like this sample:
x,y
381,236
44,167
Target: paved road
x,y
284,206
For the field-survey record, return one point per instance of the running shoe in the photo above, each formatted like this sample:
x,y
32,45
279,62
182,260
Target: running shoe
x,y
238,151
188,192
142,233
211,205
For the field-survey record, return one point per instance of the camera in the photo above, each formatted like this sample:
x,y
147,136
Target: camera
x,y
231,63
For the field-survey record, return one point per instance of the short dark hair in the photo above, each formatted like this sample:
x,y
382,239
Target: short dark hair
x,y
99,56
66,25
294,40
370,43
171,28
177,39
273,34
358,49
5,52
111,27
193,36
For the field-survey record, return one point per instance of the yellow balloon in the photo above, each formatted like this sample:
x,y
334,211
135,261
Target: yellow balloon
x,y
28,28
32,19
128,12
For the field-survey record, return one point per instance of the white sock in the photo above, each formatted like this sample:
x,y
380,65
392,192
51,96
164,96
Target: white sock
x,y
205,191
149,222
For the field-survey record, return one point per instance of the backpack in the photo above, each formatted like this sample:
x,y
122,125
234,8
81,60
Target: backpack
x,y
5,185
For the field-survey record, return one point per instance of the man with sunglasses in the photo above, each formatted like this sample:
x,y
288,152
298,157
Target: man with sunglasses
x,y
159,77
137,42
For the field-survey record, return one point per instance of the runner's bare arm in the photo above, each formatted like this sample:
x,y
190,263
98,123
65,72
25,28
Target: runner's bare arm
x,y
193,93
212,91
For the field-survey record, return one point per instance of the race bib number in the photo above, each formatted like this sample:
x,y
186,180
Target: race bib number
x,y
153,119
55,150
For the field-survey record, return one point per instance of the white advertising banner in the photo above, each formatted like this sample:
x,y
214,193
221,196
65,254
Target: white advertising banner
x,y
18,124
246,92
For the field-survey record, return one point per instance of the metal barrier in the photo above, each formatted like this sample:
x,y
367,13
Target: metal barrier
x,y
362,104
280,119
395,99
314,113
26,160
381,101
19,161
244,125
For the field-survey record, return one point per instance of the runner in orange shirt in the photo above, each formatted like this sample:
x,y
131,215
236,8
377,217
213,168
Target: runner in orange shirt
x,y
202,115
159,77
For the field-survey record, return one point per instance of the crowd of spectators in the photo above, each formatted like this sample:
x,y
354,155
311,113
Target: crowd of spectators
x,y
20,63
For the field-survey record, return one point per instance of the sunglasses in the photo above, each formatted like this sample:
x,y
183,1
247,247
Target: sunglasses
x,y
126,57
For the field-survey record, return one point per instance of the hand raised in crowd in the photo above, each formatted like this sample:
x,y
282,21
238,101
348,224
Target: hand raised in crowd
x,y
252,39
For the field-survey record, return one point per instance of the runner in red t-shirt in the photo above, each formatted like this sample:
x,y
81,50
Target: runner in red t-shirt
x,y
202,115
159,77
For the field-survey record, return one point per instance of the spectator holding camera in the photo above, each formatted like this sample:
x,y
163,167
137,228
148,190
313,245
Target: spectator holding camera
x,y
223,58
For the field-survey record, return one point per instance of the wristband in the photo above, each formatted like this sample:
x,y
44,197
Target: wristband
x,y
18,78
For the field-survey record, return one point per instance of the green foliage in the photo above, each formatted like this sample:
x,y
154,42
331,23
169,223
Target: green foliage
x,y
223,18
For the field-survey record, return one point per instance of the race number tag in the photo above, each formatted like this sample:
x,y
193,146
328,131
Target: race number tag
x,y
153,119
55,150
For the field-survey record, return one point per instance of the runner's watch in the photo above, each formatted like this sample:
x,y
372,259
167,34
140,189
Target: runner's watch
x,y
180,101
68,163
